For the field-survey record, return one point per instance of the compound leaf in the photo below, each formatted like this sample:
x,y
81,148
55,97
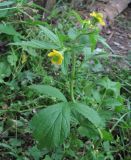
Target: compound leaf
x,y
88,113
52,125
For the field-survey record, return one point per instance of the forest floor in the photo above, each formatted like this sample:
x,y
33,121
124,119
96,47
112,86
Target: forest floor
x,y
118,35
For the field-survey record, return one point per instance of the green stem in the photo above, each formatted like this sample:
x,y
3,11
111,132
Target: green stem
x,y
72,81
118,121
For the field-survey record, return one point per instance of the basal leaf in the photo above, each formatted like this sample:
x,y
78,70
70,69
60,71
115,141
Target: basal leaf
x,y
49,90
52,125
88,113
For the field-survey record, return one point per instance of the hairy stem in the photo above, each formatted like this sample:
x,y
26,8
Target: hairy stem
x,y
72,81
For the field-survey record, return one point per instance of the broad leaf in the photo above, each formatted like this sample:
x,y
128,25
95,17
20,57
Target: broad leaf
x,y
88,113
50,35
48,90
36,44
52,125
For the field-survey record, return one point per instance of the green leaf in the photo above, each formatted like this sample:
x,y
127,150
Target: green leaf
x,y
50,91
12,59
65,63
6,3
52,125
47,158
88,113
6,146
88,132
87,53
35,153
8,29
72,33
88,87
96,95
5,70
77,15
50,35
36,44
110,85
93,36
3,13
103,41
107,136
106,146
112,102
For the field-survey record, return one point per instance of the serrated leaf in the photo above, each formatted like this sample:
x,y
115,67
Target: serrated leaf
x,y
88,113
50,35
52,125
36,44
49,90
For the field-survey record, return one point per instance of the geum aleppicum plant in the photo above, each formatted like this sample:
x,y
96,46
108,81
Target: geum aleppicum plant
x,y
51,125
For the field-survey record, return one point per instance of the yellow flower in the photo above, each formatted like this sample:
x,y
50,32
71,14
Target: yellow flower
x,y
56,57
23,58
99,17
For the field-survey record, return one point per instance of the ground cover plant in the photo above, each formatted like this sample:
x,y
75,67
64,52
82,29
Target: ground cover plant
x,y
59,97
